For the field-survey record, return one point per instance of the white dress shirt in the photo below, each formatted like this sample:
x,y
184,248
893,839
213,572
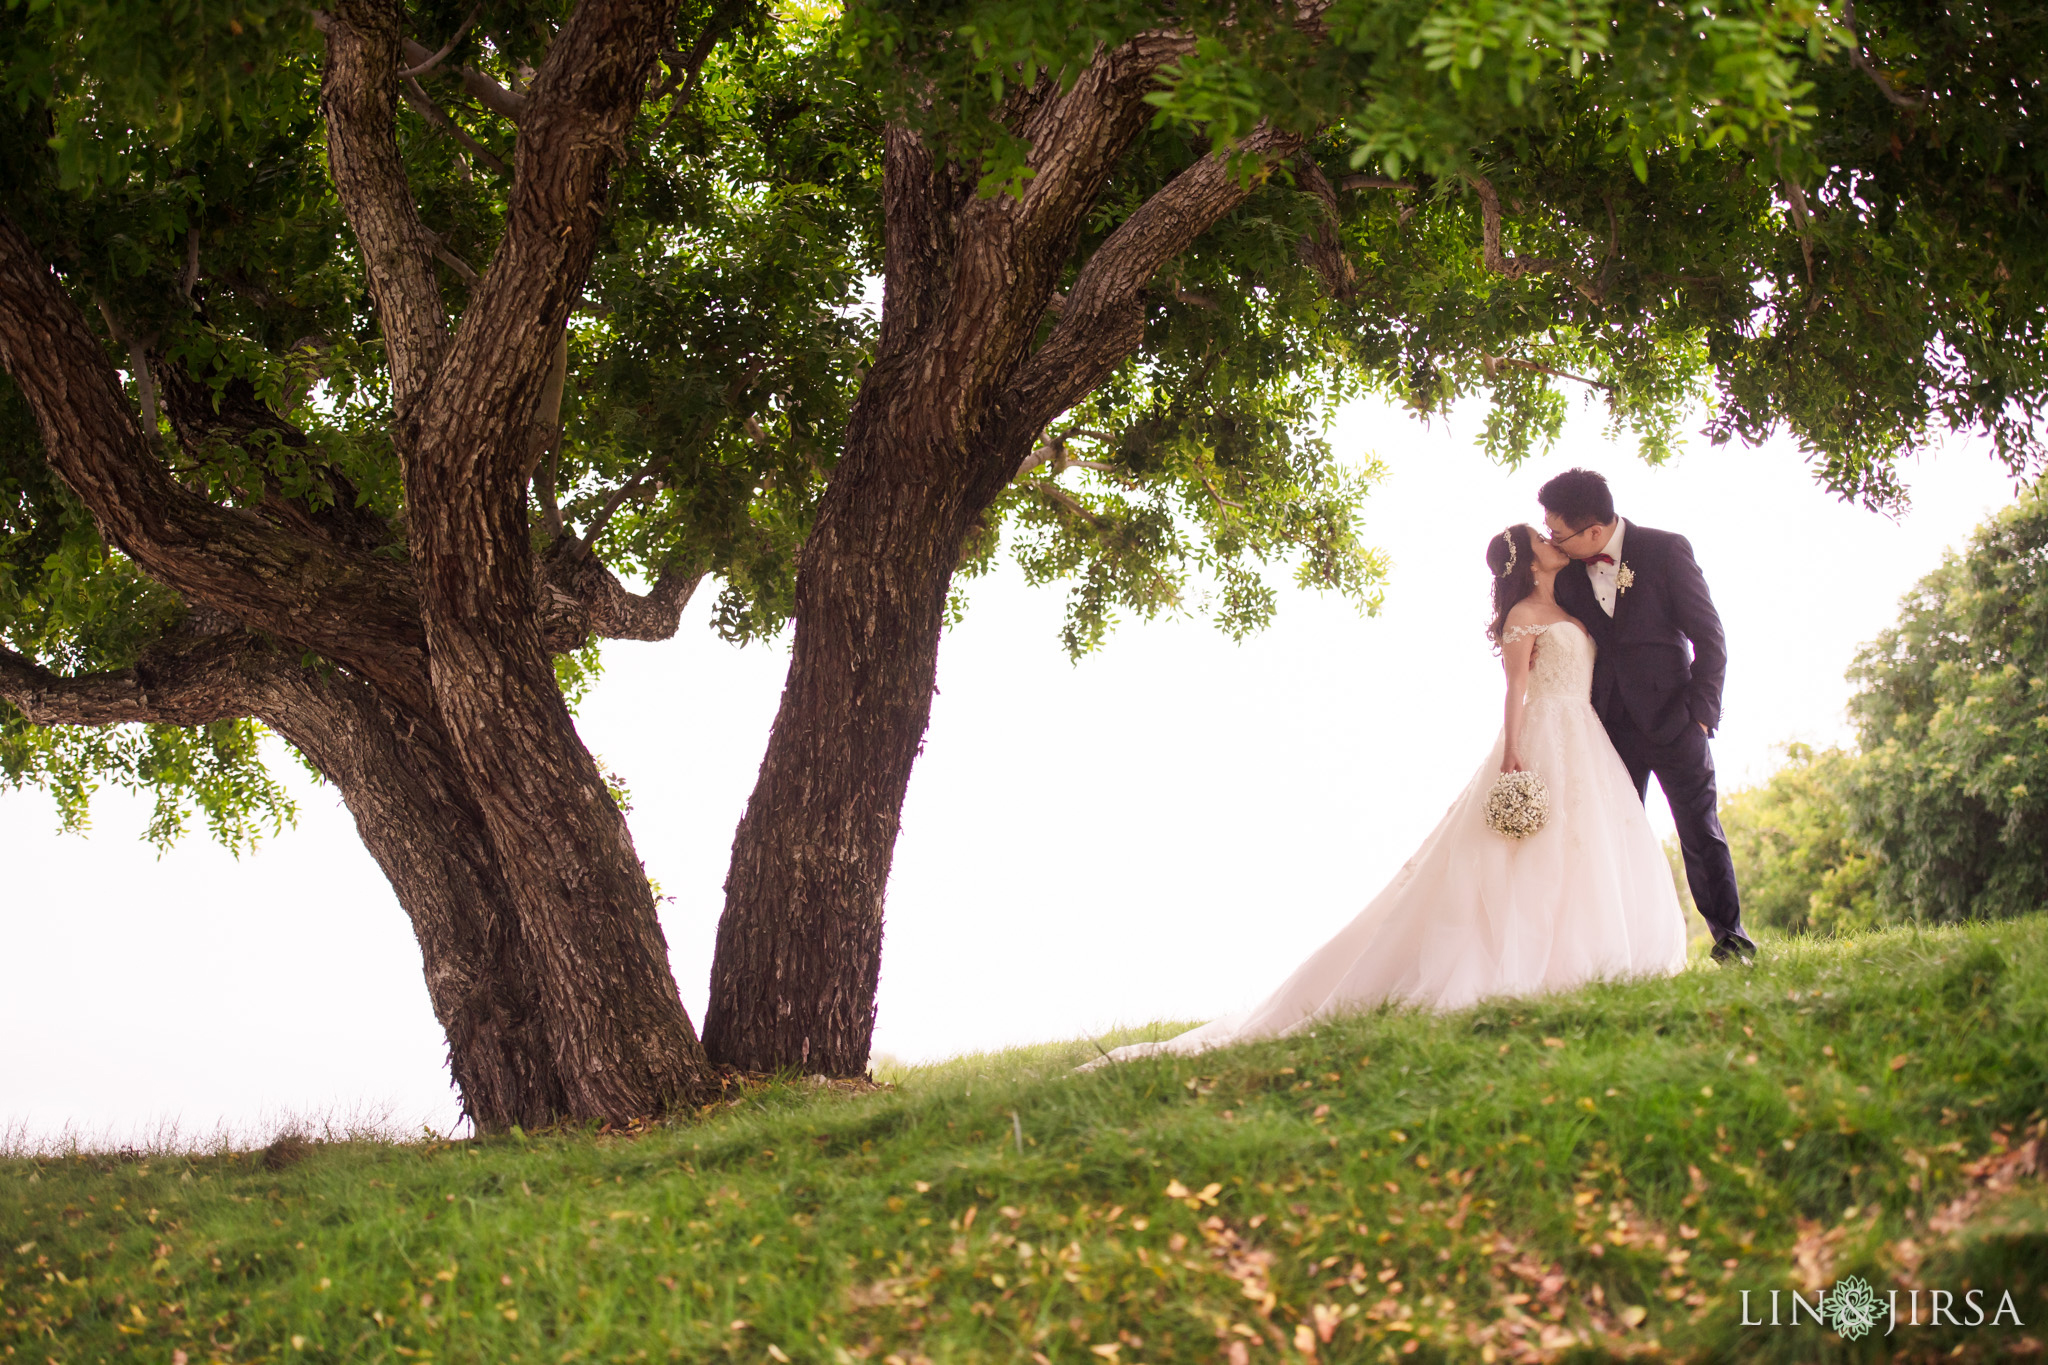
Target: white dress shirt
x,y
1604,575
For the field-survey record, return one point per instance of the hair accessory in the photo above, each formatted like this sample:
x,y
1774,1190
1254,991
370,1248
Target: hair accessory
x,y
1513,550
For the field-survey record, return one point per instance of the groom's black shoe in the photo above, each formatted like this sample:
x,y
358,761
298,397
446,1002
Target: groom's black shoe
x,y
1734,949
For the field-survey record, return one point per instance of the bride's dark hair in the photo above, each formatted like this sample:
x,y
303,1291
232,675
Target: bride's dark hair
x,y
1512,558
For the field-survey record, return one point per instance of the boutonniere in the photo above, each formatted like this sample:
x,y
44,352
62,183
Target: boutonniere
x,y
1624,578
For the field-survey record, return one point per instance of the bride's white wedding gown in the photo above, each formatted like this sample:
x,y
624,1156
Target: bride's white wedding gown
x,y
1475,914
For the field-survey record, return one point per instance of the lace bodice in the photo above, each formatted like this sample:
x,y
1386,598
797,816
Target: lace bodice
x,y
1563,662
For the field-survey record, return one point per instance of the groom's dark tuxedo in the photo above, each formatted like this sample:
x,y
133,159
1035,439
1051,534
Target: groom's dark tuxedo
x,y
1657,688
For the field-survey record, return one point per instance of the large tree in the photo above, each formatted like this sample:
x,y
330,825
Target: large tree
x,y
296,431
253,253
1826,222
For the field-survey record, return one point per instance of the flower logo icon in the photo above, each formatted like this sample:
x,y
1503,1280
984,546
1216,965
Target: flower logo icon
x,y
1852,1308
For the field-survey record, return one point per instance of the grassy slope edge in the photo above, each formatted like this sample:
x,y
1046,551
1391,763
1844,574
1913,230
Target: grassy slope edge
x,y
1578,1177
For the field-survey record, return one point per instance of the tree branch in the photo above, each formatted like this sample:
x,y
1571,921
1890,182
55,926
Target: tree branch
x,y
138,365
583,600
357,610
636,483
1322,249
204,418
578,112
983,270
479,87
1103,322
1372,182
1493,364
1513,267
1221,501
1795,201
414,72
217,678
684,66
1054,454
1861,62
190,279
358,100
472,454
432,113
452,261
1061,498
1077,139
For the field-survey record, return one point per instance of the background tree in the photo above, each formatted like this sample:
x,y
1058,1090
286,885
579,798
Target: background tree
x,y
1934,816
1952,789
1802,869
296,431
1139,232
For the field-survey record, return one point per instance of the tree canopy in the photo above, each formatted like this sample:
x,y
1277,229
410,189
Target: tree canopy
x,y
1824,223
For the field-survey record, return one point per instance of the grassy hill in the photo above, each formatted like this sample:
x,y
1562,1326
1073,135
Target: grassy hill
x,y
1582,1177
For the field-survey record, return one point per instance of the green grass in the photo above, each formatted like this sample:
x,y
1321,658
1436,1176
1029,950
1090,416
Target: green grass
x,y
1579,1177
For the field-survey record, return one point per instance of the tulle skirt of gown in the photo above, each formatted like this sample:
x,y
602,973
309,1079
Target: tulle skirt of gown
x,y
1474,914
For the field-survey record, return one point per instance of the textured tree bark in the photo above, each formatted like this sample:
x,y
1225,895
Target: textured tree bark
x,y
947,417
586,912
415,816
359,102
799,945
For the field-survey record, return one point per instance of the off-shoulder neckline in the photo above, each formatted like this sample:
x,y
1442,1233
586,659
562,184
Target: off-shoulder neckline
x,y
1514,633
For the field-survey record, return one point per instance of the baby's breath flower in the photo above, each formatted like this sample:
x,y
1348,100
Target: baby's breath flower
x,y
1518,806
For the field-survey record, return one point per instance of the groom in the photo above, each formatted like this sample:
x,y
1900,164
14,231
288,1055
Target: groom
x,y
1643,599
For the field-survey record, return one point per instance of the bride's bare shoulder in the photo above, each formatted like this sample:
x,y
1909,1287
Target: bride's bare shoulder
x,y
1531,613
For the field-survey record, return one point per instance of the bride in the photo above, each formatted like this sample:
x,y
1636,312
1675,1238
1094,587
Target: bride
x,y
1474,913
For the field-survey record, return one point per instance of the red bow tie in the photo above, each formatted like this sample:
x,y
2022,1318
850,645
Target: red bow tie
x,y
1599,559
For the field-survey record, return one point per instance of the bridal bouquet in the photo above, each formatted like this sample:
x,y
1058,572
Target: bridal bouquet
x,y
1518,806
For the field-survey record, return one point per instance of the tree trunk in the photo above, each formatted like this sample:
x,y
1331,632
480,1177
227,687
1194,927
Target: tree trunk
x,y
622,1043
402,786
800,943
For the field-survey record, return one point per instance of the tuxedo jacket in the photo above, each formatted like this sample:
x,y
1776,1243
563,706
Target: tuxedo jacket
x,y
1661,659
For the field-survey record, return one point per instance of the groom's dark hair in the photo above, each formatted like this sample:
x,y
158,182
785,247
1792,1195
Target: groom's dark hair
x,y
1579,498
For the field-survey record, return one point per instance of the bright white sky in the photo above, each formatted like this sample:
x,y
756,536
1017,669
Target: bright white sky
x,y
1158,833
